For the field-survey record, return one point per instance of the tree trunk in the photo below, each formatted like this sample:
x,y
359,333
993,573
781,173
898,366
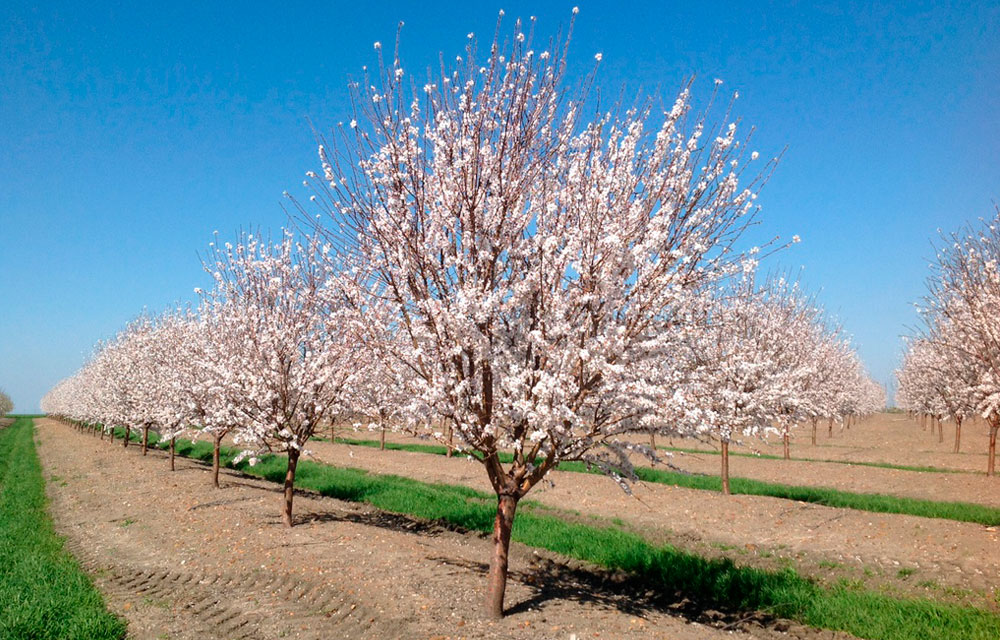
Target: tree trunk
x,y
814,421
216,446
784,441
958,433
991,465
940,430
381,440
725,467
173,442
829,427
145,439
497,585
652,441
451,440
128,433
333,433
293,461
102,432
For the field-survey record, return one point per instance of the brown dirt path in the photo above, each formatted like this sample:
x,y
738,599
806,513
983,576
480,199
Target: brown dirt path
x,y
821,541
181,560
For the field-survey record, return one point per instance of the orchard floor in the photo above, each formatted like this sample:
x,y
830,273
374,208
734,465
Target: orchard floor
x,y
922,557
179,559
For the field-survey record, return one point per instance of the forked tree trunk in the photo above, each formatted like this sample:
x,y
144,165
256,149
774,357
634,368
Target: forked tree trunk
x,y
145,439
725,467
173,442
784,441
293,461
497,585
216,447
958,433
814,421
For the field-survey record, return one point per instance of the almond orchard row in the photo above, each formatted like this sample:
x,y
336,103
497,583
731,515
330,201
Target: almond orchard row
x,y
951,371
494,269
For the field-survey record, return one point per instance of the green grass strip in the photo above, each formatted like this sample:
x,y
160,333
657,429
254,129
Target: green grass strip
x,y
873,502
711,583
43,592
767,456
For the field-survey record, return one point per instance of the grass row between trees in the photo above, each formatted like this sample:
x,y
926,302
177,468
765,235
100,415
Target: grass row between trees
x,y
874,502
43,593
850,463
674,574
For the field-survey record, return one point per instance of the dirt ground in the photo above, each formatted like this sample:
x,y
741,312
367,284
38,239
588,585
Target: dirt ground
x,y
895,552
181,560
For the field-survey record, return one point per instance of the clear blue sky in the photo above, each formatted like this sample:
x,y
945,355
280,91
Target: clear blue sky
x,y
129,134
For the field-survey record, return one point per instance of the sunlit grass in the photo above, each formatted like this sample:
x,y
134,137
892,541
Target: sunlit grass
x,y
43,593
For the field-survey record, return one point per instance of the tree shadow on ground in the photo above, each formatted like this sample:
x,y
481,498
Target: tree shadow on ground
x,y
385,520
552,581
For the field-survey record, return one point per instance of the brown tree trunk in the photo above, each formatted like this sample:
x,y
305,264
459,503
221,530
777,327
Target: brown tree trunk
x,y
145,439
102,433
128,433
940,430
497,584
173,442
652,441
293,461
814,421
784,441
829,427
381,440
958,433
333,433
216,447
991,465
451,440
725,467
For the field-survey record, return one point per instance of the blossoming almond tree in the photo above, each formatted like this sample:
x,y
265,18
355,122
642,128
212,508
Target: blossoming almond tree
x,y
6,405
536,263
750,362
961,315
286,353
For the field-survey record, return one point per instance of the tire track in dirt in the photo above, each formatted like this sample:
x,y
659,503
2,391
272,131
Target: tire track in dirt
x,y
241,606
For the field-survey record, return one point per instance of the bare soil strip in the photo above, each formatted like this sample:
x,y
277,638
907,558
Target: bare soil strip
x,y
181,560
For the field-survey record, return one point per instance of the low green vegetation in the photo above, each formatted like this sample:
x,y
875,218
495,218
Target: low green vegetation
x,y
874,502
43,592
850,463
674,574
